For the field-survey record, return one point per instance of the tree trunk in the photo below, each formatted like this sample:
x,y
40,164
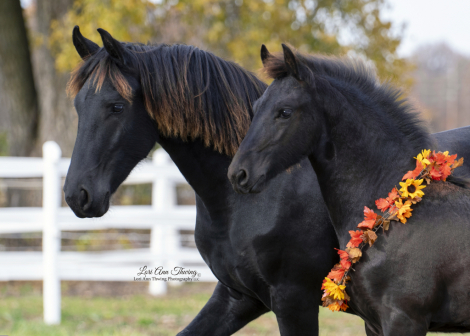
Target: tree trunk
x,y
58,120
19,98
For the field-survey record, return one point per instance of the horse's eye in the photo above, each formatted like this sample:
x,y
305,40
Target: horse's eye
x,y
286,113
117,108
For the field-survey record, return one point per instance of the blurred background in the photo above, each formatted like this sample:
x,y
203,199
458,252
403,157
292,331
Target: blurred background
x,y
420,45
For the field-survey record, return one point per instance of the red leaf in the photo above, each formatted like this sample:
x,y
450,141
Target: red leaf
x,y
412,174
445,171
382,204
343,254
369,219
336,274
435,173
356,239
345,264
392,195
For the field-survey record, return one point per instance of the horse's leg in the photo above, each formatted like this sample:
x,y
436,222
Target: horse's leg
x,y
296,311
371,331
226,312
403,324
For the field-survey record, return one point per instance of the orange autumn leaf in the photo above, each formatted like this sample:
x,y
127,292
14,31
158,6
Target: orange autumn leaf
x,y
445,171
336,273
392,195
385,203
338,305
356,239
451,159
345,263
370,218
435,173
412,174
382,204
457,163
343,254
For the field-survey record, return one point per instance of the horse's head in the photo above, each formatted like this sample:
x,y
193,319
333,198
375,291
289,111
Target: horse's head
x,y
278,136
114,130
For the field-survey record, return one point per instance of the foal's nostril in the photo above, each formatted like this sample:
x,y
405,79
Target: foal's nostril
x,y
84,199
242,177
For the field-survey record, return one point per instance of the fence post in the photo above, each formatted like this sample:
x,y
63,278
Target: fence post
x,y
163,199
51,233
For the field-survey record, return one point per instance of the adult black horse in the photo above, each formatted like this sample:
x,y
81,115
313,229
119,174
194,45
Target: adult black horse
x,y
360,138
200,108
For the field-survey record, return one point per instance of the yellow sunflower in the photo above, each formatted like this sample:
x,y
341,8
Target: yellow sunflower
x,y
412,188
403,210
337,291
423,157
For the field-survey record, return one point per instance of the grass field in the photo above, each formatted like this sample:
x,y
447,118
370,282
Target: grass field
x,y
136,315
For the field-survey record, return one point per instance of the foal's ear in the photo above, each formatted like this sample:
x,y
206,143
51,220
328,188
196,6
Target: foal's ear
x,y
114,48
84,46
264,54
291,62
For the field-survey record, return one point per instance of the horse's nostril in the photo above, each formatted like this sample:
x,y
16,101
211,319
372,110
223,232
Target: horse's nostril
x,y
83,198
242,177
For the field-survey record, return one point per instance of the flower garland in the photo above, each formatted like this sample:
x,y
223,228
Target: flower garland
x,y
397,206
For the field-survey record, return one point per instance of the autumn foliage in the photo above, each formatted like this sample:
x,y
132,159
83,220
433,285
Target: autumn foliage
x,y
396,207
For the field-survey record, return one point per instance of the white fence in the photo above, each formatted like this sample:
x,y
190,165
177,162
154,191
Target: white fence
x,y
164,217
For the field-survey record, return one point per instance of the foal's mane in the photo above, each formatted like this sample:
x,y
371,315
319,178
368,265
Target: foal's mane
x,y
190,93
352,73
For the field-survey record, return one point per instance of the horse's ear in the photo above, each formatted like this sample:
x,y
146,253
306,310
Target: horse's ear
x,y
291,62
264,54
84,46
114,48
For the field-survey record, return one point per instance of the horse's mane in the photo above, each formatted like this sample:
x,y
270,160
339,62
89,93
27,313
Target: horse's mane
x,y
190,93
353,73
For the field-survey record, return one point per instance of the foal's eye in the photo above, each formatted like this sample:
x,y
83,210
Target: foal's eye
x,y
286,113
117,108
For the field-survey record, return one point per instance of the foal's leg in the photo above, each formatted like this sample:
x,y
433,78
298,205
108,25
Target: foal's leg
x,y
226,312
296,310
371,331
400,323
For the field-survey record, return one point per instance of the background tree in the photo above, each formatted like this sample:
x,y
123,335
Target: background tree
x,y
57,120
235,29
18,99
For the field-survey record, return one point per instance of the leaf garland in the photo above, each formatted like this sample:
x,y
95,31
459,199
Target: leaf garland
x,y
396,207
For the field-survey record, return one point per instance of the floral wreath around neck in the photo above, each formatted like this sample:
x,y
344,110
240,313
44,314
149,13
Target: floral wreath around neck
x,y
396,207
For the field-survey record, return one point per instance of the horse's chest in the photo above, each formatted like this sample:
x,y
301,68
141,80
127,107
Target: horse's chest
x,y
232,259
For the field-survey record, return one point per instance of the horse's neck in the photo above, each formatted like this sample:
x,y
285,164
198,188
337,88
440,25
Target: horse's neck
x,y
206,172
365,166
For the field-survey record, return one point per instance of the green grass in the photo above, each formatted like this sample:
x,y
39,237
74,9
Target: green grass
x,y
138,315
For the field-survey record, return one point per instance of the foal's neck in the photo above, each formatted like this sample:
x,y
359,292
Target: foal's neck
x,y
371,155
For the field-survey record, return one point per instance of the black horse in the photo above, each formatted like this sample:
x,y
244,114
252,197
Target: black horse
x,y
200,108
360,138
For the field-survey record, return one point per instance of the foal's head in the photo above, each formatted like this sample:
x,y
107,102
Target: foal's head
x,y
283,127
319,107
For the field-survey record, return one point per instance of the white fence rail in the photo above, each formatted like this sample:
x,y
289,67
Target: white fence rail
x,y
164,218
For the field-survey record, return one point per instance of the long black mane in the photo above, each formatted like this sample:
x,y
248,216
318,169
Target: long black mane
x,y
189,92
355,75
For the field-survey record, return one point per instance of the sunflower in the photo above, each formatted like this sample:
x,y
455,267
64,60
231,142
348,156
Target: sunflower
x,y
331,288
412,188
403,210
423,157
